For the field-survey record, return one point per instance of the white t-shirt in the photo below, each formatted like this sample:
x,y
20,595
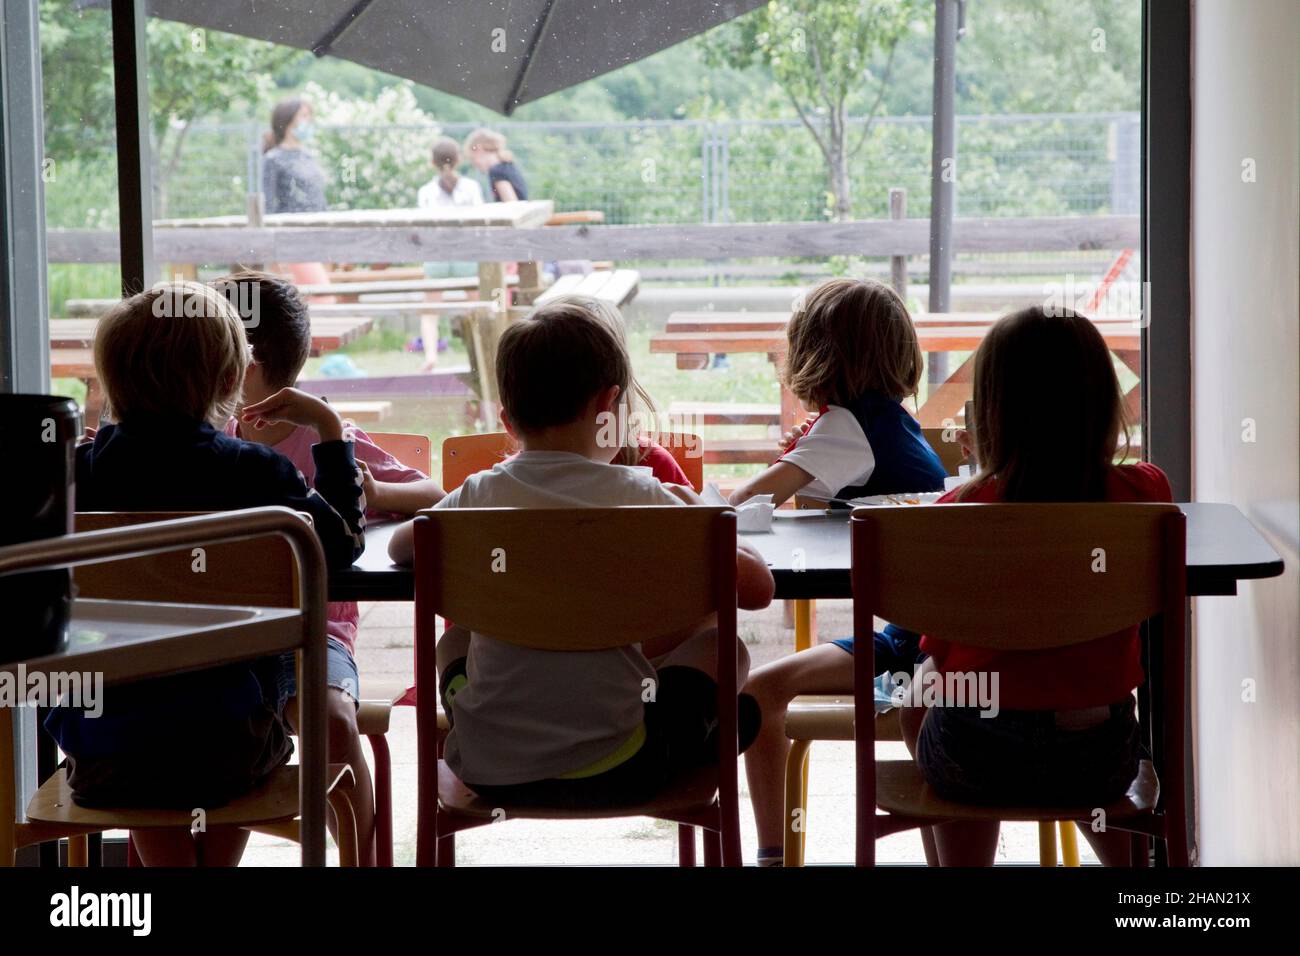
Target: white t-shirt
x,y
835,451
528,714
467,193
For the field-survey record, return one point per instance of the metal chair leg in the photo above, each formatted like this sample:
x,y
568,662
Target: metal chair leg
x,y
796,811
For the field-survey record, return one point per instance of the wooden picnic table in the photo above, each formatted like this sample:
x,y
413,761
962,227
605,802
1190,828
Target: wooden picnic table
x,y
71,341
327,333
693,336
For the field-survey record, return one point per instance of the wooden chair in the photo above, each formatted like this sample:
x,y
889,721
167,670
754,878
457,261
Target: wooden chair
x,y
1023,580
464,455
256,572
570,562
264,579
413,451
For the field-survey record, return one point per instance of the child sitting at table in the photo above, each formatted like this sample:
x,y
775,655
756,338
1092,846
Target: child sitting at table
x,y
854,355
1048,415
636,407
171,361
279,333
573,731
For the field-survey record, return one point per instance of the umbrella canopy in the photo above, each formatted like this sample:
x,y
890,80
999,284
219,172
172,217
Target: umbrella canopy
x,y
498,53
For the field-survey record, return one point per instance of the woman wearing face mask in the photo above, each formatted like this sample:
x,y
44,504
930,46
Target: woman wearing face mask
x,y
292,178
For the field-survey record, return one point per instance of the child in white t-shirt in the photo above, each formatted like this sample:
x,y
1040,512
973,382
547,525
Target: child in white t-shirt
x,y
564,728
447,188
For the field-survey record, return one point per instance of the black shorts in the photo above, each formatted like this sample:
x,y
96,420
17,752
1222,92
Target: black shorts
x,y
1023,757
681,735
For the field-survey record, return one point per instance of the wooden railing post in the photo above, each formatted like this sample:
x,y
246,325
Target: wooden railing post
x,y
898,264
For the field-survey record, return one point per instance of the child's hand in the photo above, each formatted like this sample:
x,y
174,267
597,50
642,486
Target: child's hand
x,y
686,493
88,435
794,434
369,487
292,405
967,442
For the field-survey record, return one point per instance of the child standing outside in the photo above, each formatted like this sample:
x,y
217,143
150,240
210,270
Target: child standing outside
x,y
853,354
279,335
172,361
447,188
570,728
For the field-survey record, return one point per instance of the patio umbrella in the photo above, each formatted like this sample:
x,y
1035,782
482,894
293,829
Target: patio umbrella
x,y
498,53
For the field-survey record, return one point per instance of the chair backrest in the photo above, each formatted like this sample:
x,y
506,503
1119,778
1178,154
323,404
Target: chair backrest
x,y
1016,576
259,572
949,452
569,578
464,455
1021,577
413,451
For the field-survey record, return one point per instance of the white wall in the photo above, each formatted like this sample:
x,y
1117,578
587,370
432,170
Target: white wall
x,y
1246,365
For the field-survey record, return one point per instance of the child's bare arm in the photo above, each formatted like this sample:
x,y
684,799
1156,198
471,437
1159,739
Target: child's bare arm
x,y
400,497
780,480
755,587
401,546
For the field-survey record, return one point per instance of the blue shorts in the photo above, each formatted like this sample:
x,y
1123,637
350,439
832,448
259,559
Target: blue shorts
x,y
896,649
340,671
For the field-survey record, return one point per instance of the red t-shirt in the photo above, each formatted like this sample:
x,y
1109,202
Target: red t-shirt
x,y
1098,672
663,465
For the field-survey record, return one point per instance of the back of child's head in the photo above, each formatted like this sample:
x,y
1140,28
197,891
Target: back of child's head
x,y
639,406
552,363
489,141
1048,411
276,322
446,153
849,337
177,350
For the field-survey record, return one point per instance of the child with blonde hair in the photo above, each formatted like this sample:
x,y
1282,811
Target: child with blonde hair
x,y
854,356
172,363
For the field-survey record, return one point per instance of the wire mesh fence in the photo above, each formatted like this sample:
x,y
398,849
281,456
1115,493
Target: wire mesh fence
x,y
698,171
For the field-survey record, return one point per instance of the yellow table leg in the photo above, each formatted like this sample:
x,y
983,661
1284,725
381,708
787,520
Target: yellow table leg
x,y
1047,843
805,624
1069,843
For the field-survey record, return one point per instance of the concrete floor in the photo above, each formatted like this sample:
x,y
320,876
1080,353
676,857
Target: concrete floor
x,y
384,653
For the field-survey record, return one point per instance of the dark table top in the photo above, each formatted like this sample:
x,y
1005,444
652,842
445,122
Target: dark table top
x,y
1223,547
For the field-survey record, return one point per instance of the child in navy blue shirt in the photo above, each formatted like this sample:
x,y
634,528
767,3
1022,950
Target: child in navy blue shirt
x,y
853,354
172,362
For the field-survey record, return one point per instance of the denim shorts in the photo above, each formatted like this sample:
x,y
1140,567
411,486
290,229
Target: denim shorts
x,y
1025,757
895,649
340,671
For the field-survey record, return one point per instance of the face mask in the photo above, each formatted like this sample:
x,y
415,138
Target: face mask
x,y
305,131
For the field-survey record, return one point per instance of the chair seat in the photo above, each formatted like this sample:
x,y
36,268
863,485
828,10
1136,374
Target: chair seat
x,y
830,717
696,791
375,708
275,800
901,790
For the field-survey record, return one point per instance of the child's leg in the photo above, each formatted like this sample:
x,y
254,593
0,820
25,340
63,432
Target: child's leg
x,y
951,844
429,338
344,743
824,669
220,846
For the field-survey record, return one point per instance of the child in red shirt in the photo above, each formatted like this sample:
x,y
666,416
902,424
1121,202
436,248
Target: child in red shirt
x,y
1048,416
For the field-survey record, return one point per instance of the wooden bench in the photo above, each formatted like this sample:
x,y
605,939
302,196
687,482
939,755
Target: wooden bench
x,y
328,333
726,413
617,287
363,413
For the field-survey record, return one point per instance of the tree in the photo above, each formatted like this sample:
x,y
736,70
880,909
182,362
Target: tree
x,y
827,56
193,74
